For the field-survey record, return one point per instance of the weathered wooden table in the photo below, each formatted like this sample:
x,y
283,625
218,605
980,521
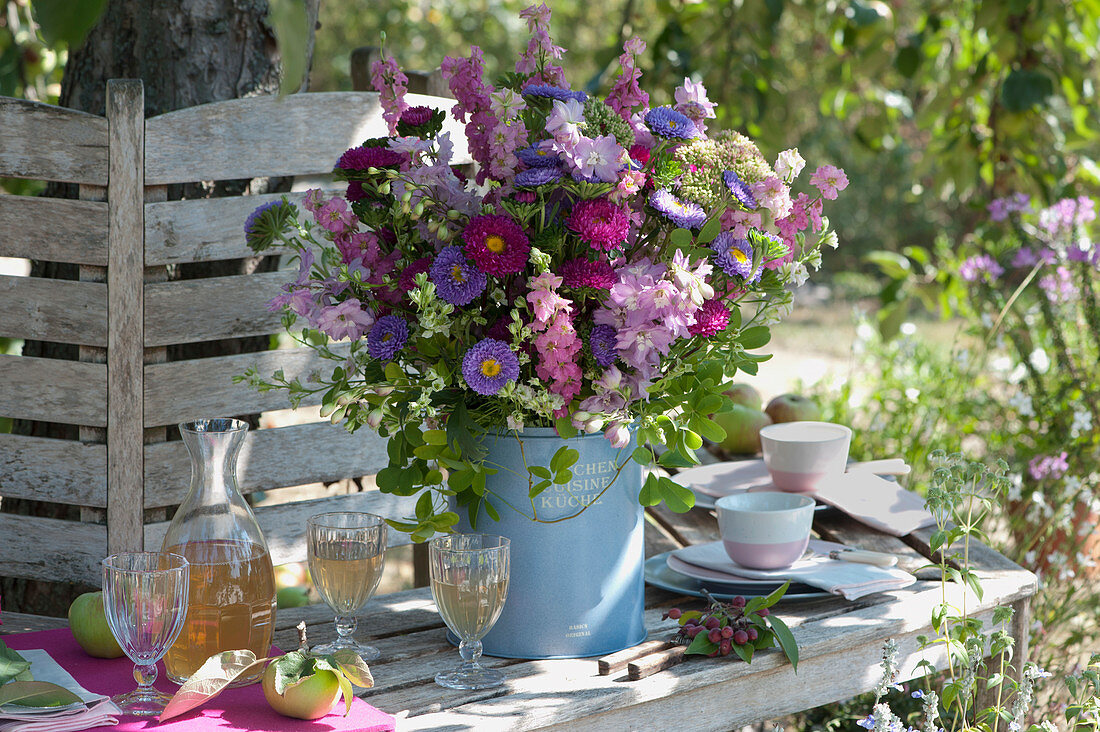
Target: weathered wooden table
x,y
840,644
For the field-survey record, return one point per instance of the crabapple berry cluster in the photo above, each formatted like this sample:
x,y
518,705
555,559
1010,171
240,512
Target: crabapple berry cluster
x,y
725,624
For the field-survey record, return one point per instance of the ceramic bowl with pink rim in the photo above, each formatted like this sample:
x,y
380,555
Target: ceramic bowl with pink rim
x,y
800,455
765,530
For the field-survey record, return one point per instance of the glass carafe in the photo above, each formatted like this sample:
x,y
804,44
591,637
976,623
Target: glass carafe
x,y
231,605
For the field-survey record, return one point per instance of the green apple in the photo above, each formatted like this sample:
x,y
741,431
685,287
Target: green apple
x,y
745,395
793,408
742,426
89,626
312,697
291,597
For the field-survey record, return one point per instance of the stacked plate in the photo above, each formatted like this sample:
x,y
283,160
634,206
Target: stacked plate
x,y
672,574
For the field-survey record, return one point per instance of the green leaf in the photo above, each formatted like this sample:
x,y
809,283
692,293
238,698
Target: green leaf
x,y
36,694
642,456
755,337
702,645
538,488
776,595
216,673
539,472
67,21
435,437
907,61
678,498
12,665
710,230
692,440
744,652
786,640
1025,88
565,427
680,237
710,430
650,495
423,508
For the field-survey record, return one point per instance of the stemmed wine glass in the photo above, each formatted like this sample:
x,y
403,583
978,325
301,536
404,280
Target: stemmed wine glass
x,y
346,556
145,601
469,576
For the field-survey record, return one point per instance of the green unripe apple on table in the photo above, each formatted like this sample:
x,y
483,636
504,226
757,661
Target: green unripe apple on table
x,y
793,408
312,697
89,627
742,425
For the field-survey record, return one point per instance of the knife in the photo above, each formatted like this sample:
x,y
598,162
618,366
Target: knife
x,y
862,556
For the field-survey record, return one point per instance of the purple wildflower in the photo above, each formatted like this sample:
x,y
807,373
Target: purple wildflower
x,y
554,92
347,319
387,337
1048,466
456,279
686,215
1058,285
670,124
535,177
980,266
601,339
734,256
740,189
600,158
489,365
537,156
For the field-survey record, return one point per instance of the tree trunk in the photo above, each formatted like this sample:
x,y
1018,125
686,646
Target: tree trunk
x,y
186,52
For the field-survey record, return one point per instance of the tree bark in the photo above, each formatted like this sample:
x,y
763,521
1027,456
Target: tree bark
x,y
186,53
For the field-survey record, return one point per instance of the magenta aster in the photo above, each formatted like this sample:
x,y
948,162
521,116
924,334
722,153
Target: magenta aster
x,y
497,244
407,280
600,223
581,272
361,158
711,318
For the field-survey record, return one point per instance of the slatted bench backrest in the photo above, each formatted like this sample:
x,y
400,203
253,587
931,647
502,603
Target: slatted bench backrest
x,y
123,313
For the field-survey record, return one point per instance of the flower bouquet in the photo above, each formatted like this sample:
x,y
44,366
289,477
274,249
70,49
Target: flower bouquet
x,y
605,266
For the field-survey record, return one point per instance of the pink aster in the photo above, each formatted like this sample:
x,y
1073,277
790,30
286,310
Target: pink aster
x,y
585,273
830,180
599,223
496,244
712,318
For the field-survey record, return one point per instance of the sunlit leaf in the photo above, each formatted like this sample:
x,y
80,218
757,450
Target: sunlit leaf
x,y
216,673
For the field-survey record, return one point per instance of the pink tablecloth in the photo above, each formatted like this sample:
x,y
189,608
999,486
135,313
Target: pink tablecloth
x,y
234,709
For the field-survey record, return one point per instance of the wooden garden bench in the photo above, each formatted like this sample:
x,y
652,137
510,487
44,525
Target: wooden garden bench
x,y
122,314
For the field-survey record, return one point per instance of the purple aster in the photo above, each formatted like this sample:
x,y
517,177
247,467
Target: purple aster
x,y
686,215
456,279
538,157
601,340
554,92
489,365
535,177
734,256
980,266
740,190
497,244
576,273
387,337
670,124
599,223
361,158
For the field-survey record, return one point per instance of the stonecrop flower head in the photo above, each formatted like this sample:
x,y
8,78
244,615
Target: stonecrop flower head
x,y
666,122
685,214
388,336
497,244
456,279
599,223
489,365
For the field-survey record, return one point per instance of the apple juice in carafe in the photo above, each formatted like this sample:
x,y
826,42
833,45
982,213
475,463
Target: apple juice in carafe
x,y
231,605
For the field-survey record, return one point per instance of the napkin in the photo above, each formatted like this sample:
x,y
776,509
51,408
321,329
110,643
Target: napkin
x,y
96,711
881,504
847,579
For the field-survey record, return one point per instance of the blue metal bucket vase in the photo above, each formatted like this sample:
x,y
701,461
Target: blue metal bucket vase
x,y
577,587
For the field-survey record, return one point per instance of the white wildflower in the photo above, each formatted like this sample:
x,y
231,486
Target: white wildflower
x,y
1039,360
1021,402
789,164
1082,422
908,328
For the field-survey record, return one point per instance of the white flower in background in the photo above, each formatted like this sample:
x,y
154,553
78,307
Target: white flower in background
x,y
912,394
962,358
1017,374
987,321
789,164
865,331
1039,360
1029,558
1001,364
1021,402
908,328
793,273
1082,422
1072,484
1015,486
